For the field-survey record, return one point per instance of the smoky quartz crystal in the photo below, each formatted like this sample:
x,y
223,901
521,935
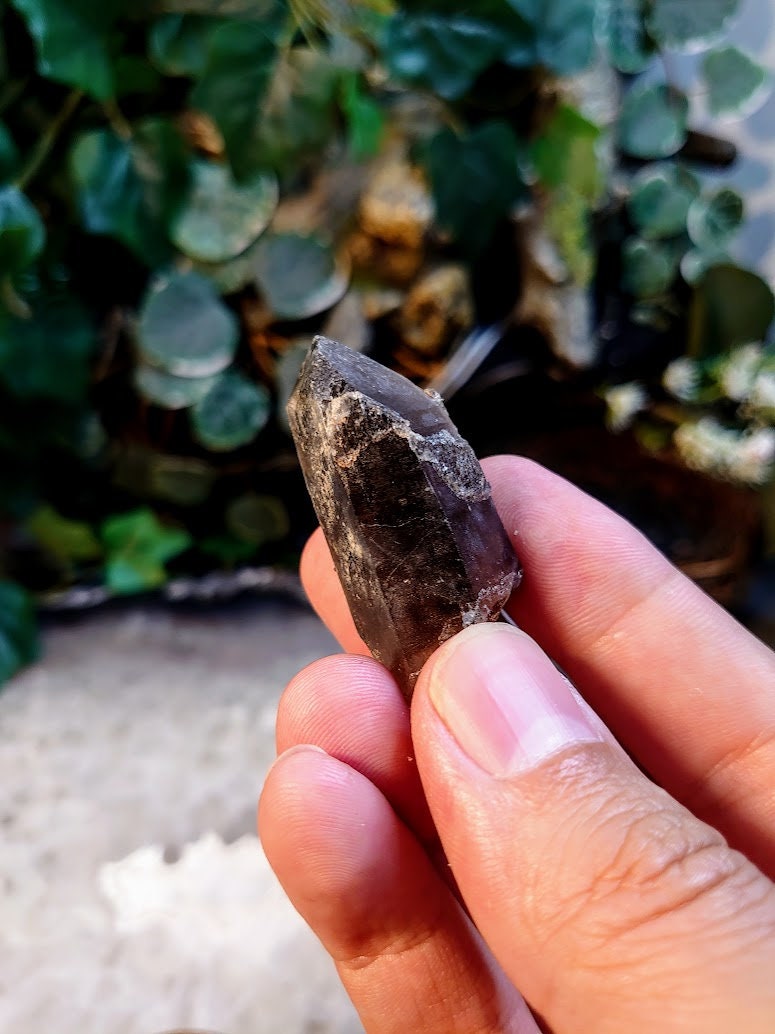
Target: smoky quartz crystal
x,y
404,504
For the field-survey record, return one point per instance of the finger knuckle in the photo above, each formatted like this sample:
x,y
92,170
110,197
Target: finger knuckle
x,y
645,865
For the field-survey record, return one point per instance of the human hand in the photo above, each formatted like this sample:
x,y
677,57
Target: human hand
x,y
613,905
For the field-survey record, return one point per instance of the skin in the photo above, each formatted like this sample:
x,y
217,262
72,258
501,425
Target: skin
x,y
469,874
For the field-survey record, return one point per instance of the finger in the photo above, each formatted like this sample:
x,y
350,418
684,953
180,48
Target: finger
x,y
324,590
407,955
352,709
684,687
614,907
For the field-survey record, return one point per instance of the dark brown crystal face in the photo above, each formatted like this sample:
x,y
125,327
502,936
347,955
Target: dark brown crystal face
x,y
418,545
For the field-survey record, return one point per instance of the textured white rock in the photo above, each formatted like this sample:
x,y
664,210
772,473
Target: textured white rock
x,y
134,896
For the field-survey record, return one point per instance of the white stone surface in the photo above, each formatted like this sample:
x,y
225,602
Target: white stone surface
x,y
134,896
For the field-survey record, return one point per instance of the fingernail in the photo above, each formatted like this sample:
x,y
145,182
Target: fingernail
x,y
504,701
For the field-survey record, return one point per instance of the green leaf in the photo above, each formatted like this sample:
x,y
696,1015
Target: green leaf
x,y
184,327
241,58
565,154
132,189
300,113
476,181
660,199
564,32
220,218
731,306
712,221
568,217
18,629
257,519
696,263
48,356
736,84
178,43
138,546
168,391
649,268
134,74
231,414
231,276
690,24
73,41
653,122
298,276
622,31
65,539
445,53
22,234
365,121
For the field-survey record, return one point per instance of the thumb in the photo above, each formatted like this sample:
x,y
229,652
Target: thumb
x,y
608,904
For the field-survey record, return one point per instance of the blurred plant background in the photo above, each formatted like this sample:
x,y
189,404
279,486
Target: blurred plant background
x,y
508,200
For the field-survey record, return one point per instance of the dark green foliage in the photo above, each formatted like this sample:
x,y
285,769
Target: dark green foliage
x,y
46,355
476,180
75,42
131,189
18,629
148,278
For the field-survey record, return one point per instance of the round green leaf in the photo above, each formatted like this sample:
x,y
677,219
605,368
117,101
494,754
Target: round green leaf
x,y
653,122
168,390
736,84
231,414
713,220
185,328
696,263
731,306
257,519
622,31
690,24
221,218
298,276
648,268
22,234
234,274
660,200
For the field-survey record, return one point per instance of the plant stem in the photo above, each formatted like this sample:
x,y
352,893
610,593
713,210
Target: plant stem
x,y
118,120
48,139
12,301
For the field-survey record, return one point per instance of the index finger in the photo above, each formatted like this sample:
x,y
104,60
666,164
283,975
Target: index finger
x,y
685,689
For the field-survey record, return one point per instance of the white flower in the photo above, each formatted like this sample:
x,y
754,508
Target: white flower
x,y
755,457
738,373
681,378
624,401
762,397
707,446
